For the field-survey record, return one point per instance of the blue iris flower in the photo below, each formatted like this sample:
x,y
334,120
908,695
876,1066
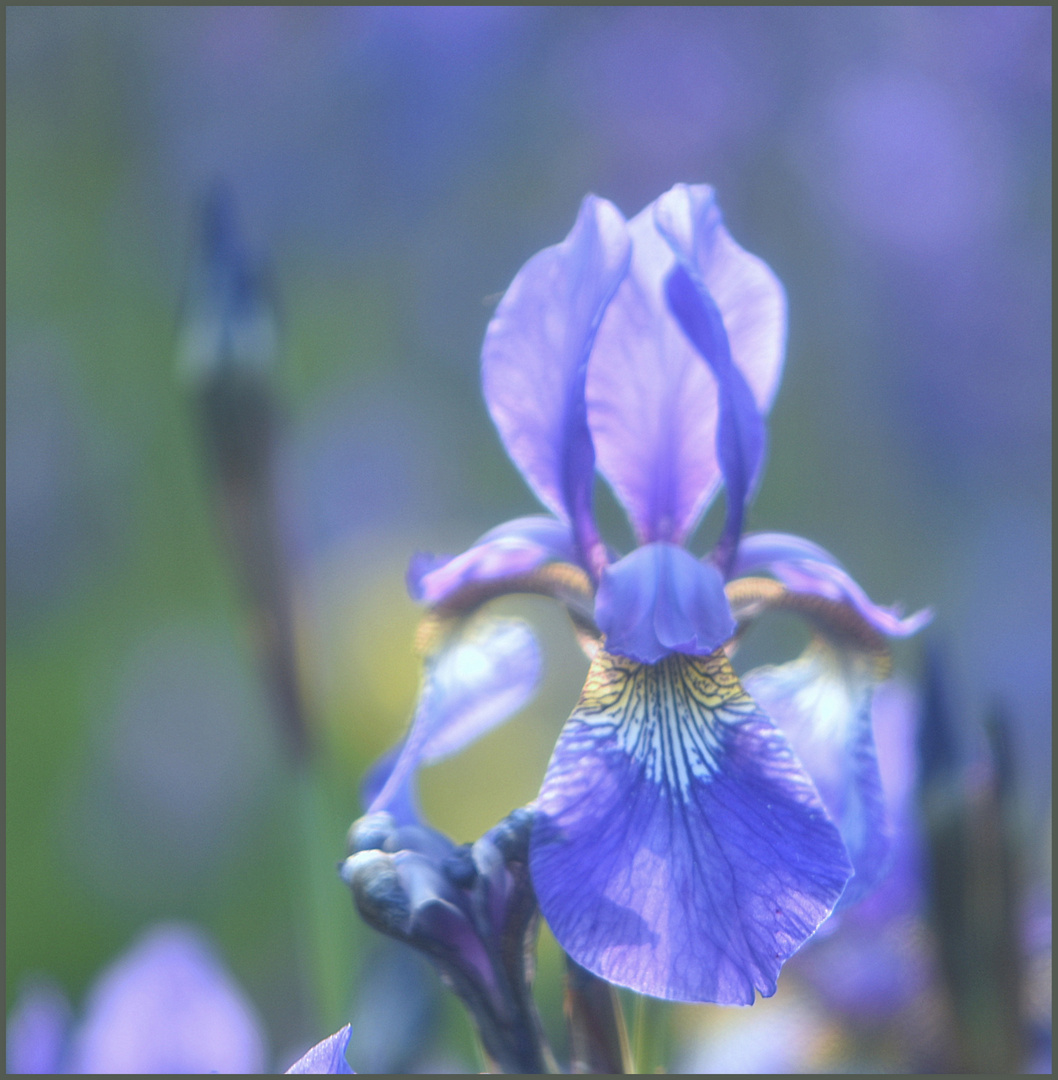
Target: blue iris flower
x,y
167,1005
680,846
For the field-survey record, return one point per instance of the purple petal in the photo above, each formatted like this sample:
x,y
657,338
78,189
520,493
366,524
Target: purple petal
x,y
401,800
652,403
535,356
868,966
679,849
822,701
516,547
750,298
805,567
661,599
740,425
37,1030
478,679
327,1056
168,1005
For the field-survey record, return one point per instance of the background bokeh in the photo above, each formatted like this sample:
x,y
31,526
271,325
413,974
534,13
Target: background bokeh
x,y
397,166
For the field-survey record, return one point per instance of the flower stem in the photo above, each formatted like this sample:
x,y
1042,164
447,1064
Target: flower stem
x,y
321,903
597,1032
650,1028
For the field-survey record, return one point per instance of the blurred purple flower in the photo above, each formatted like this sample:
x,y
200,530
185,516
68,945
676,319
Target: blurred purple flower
x,y
408,91
167,1005
683,85
919,170
679,847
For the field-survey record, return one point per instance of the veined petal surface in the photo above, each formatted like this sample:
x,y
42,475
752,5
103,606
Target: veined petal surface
x,y
806,567
477,680
652,402
514,548
660,599
679,848
535,356
823,703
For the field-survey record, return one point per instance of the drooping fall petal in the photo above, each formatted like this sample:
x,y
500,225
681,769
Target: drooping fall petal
x,y
479,678
679,848
806,567
509,550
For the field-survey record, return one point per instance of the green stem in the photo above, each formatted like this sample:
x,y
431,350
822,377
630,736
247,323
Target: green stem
x,y
650,1028
322,904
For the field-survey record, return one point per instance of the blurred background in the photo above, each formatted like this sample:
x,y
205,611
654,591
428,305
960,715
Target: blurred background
x,y
396,166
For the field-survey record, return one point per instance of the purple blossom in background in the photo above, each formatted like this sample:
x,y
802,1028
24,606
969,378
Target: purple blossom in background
x,y
167,1005
679,846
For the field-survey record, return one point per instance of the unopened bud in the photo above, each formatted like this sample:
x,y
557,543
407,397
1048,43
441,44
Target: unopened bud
x,y
378,891
459,867
370,832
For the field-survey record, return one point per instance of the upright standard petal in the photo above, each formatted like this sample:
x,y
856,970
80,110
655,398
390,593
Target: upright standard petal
x,y
478,679
652,403
679,848
750,298
807,568
661,599
535,356
740,425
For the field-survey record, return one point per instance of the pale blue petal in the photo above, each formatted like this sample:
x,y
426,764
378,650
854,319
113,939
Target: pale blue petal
x,y
679,848
480,677
652,402
327,1056
514,548
661,599
168,1005
823,702
37,1030
535,356
401,800
806,567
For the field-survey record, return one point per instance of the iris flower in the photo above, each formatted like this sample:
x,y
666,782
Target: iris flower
x,y
680,846
167,1005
